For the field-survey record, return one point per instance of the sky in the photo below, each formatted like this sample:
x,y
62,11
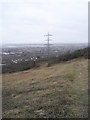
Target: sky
x,y
27,21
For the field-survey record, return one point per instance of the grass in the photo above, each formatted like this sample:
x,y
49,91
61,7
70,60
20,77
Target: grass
x,y
47,92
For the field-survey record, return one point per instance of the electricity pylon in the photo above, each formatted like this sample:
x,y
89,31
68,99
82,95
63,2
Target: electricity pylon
x,y
48,43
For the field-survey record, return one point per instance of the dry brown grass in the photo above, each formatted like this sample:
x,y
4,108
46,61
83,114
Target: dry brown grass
x,y
57,91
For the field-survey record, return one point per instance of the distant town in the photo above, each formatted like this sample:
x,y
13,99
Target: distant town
x,y
19,52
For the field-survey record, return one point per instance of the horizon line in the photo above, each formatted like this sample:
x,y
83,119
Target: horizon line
x,y
43,43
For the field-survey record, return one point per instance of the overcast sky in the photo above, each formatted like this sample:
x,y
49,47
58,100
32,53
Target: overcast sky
x,y
27,21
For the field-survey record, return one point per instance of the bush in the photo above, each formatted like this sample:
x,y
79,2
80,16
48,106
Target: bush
x,y
69,56
12,67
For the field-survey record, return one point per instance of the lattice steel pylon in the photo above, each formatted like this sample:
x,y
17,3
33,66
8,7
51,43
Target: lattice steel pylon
x,y
48,43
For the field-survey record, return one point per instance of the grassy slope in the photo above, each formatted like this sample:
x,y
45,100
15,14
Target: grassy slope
x,y
57,91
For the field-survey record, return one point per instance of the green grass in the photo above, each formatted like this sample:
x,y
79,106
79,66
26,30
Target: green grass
x,y
49,92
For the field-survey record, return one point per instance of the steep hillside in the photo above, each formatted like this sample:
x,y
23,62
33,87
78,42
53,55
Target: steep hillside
x,y
57,91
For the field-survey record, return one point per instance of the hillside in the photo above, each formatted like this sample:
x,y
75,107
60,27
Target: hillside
x,y
57,91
